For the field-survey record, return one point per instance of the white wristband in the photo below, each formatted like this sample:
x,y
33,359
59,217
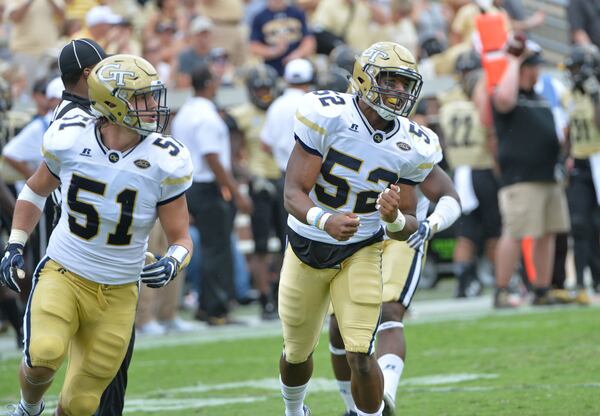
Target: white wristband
x,y
397,225
18,236
316,217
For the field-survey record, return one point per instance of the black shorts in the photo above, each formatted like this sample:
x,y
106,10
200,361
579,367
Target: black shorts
x,y
269,216
484,222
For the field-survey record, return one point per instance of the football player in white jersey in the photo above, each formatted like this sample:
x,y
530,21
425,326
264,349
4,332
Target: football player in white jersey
x,y
116,173
356,161
402,265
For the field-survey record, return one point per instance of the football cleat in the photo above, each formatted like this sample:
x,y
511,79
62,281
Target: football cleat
x,y
389,407
502,299
306,410
544,300
19,410
350,413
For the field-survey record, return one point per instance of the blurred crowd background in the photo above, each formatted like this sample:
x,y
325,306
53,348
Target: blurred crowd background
x,y
232,41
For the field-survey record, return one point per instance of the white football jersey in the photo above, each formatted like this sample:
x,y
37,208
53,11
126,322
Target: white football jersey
x,y
109,198
358,161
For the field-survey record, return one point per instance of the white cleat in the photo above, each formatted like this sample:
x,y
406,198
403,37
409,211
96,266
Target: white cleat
x,y
18,410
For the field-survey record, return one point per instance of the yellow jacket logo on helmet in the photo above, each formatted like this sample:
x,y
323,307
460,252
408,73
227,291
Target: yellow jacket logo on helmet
x,y
117,76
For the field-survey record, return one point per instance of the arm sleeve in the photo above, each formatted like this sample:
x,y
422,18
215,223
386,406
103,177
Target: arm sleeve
x,y
178,178
309,127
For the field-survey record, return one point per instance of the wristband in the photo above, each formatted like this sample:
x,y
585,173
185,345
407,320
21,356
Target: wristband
x,y
179,253
397,225
18,236
316,217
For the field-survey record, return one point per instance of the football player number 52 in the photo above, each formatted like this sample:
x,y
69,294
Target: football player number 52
x,y
89,230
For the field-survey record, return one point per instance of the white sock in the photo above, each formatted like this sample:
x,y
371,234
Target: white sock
x,y
391,367
293,397
346,393
32,409
377,413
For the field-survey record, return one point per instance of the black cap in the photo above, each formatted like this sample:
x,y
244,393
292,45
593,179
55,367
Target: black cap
x,y
79,54
535,54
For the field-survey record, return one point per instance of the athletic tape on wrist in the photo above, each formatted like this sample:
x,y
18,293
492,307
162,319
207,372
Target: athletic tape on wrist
x,y
18,236
398,224
179,253
316,217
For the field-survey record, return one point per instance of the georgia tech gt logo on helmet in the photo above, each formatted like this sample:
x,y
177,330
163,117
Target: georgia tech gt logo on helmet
x,y
104,74
373,53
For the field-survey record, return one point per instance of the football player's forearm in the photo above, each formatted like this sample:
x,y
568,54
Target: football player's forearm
x,y
297,203
26,216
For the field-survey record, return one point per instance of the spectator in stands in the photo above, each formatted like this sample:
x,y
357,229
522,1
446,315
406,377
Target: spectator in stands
x,y
227,32
197,54
35,29
349,20
401,28
277,134
100,21
584,16
152,53
531,202
168,13
199,126
279,34
519,18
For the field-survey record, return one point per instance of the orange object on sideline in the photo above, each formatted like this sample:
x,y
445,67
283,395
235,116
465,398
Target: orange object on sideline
x,y
493,35
527,249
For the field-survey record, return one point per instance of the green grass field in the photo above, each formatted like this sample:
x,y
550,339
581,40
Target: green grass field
x,y
542,362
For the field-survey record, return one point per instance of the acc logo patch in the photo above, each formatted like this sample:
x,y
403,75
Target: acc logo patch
x,y
113,157
142,164
403,146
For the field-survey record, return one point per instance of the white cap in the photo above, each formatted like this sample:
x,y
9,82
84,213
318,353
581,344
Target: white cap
x,y
201,24
101,14
298,71
54,89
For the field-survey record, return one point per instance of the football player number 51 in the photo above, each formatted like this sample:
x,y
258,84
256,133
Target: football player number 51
x,y
89,230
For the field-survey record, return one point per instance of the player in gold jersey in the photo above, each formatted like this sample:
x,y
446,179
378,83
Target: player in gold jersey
x,y
266,181
583,105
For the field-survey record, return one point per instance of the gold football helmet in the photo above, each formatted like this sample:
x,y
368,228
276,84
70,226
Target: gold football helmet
x,y
375,79
127,91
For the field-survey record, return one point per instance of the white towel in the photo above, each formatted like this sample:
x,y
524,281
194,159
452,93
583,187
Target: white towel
x,y
595,165
463,181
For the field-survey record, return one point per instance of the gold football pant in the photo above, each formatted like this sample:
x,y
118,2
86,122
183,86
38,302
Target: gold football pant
x,y
90,321
401,267
354,290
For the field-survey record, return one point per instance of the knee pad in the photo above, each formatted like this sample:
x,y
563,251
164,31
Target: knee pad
x,y
84,404
389,325
47,351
